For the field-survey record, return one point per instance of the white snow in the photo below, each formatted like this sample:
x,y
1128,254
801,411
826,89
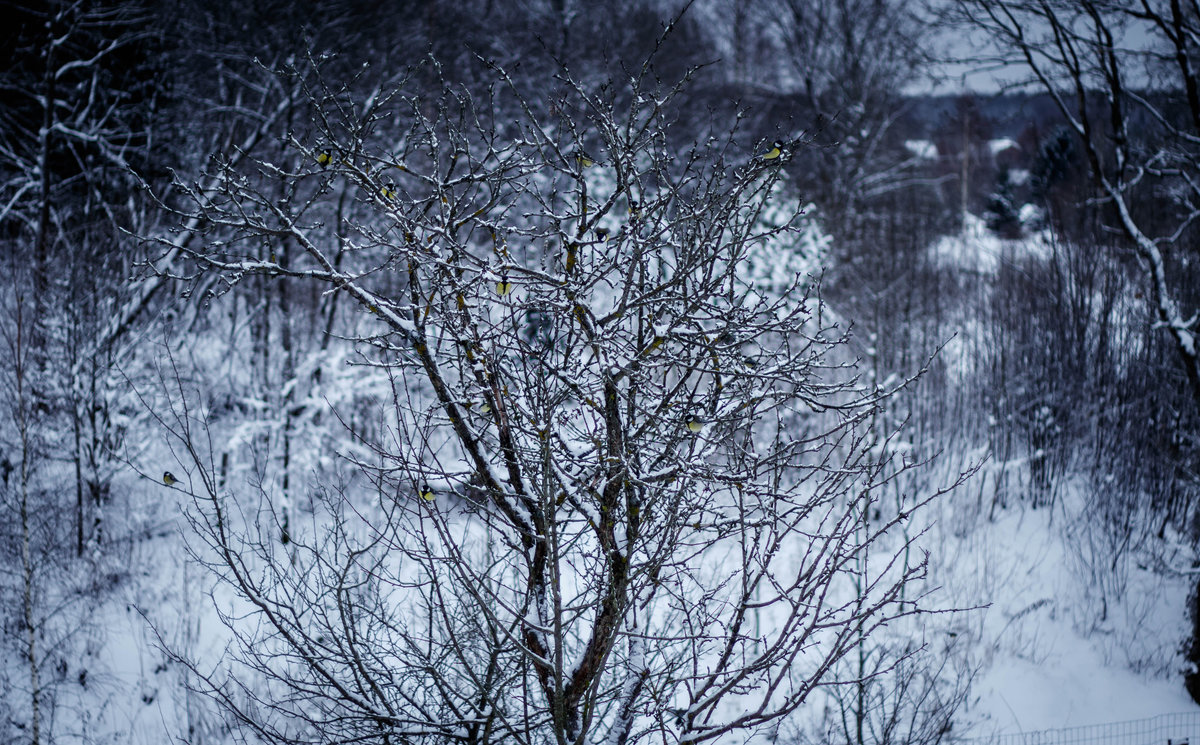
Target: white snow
x,y
924,149
978,250
1076,632
1000,145
1030,214
1055,648
1069,686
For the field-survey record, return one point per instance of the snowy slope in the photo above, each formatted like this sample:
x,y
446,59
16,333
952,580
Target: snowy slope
x,y
1049,661
1076,631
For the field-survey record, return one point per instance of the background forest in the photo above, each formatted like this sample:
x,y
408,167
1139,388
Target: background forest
x,y
566,372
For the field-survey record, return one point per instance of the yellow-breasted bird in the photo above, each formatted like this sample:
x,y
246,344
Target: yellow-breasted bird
x,y
324,157
693,423
484,407
635,208
504,287
169,478
427,493
572,256
775,151
388,191
601,233
583,160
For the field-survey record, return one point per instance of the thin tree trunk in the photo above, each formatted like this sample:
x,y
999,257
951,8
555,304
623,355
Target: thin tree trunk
x,y
27,595
26,552
41,247
289,388
78,458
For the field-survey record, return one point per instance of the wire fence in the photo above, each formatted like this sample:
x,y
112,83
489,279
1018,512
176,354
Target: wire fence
x,y
1166,729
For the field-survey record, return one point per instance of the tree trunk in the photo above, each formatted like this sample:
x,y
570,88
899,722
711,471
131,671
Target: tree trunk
x,y
35,692
27,599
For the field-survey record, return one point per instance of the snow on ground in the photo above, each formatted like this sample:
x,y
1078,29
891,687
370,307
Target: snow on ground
x,y
1059,643
1062,639
1000,145
1077,630
1069,687
978,250
924,149
1053,661
1047,660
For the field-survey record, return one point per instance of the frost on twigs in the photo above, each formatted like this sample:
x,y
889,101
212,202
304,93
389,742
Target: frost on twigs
x,y
647,444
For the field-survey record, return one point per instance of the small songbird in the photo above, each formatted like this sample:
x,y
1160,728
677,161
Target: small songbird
x,y
601,233
775,151
635,208
324,158
583,160
504,287
427,493
169,478
388,191
694,423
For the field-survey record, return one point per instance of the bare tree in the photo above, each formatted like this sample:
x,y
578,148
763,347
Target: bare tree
x,y
914,701
20,496
47,592
75,118
620,489
845,64
1124,77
